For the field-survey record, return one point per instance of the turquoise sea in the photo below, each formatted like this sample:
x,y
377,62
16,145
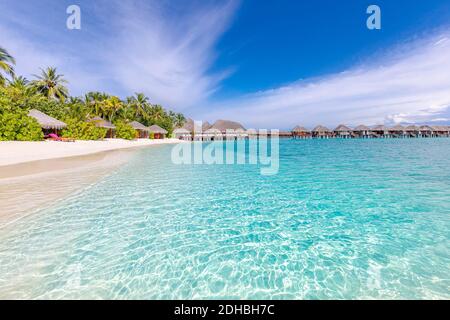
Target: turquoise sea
x,y
343,219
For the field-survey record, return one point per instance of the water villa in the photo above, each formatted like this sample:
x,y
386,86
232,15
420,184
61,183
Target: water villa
x,y
321,132
342,131
300,133
157,131
142,132
47,123
362,131
102,123
182,134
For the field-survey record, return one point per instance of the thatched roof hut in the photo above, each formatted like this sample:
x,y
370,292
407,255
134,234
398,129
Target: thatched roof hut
x,y
426,128
342,128
102,123
205,126
224,125
412,128
138,126
379,127
189,125
361,127
299,129
321,129
397,128
157,129
45,121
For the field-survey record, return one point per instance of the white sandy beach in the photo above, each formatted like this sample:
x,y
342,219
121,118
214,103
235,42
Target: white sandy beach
x,y
15,152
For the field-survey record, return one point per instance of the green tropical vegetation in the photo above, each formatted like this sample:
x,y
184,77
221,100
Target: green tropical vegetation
x,y
48,93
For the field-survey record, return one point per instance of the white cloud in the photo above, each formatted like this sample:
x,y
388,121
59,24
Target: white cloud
x,y
411,85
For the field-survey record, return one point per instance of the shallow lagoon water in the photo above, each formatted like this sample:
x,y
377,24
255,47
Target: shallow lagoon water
x,y
343,219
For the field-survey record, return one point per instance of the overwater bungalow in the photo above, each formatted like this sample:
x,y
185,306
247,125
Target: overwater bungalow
x,y
441,131
380,131
426,131
231,130
157,131
205,126
300,133
47,123
362,131
398,131
321,132
342,131
142,132
182,134
212,134
102,123
412,131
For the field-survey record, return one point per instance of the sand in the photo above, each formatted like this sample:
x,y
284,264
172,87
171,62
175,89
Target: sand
x,y
15,152
35,175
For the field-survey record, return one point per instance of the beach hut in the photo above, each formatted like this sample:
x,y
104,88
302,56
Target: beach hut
x,y
342,131
182,134
142,132
102,123
300,132
398,131
158,132
380,131
362,131
321,132
47,123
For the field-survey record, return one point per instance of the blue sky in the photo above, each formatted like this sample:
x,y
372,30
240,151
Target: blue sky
x,y
271,64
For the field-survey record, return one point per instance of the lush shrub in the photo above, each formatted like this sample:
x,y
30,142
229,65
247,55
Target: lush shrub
x,y
125,131
82,130
18,126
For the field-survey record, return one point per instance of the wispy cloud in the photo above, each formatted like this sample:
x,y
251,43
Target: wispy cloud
x,y
409,83
159,48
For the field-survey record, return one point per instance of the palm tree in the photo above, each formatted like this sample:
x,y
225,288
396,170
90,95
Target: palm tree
x,y
139,104
179,120
111,108
51,84
19,82
6,62
157,113
94,101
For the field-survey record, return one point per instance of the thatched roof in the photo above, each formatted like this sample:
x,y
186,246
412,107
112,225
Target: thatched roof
x,y
300,129
181,131
223,125
380,127
412,128
102,123
321,128
206,125
362,127
157,129
138,126
189,125
440,128
45,121
425,128
342,128
397,128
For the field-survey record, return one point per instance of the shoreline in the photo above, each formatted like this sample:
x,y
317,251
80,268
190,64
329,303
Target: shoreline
x,y
14,153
